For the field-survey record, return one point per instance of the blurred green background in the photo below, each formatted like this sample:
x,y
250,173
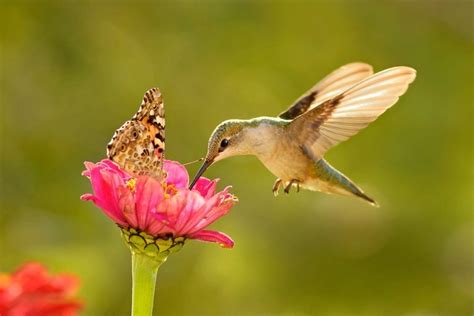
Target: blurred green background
x,y
73,71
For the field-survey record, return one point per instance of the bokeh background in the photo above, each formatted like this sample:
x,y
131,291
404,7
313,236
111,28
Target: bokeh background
x,y
73,71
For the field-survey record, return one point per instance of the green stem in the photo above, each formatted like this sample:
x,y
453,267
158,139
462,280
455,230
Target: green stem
x,y
144,271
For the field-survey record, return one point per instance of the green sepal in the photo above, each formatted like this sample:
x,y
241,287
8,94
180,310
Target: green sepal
x,y
156,248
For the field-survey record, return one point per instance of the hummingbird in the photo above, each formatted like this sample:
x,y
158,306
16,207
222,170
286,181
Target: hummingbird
x,y
292,145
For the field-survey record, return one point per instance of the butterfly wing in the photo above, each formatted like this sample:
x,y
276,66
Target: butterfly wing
x,y
330,86
138,146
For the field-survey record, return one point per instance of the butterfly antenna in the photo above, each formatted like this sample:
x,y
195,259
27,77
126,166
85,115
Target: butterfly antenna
x,y
194,161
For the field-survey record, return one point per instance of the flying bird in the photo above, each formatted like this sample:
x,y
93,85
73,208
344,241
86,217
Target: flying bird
x,y
292,145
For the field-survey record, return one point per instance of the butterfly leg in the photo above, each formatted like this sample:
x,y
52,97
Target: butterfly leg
x,y
276,186
290,184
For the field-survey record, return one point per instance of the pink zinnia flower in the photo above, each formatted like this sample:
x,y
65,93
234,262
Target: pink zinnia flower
x,y
153,211
31,291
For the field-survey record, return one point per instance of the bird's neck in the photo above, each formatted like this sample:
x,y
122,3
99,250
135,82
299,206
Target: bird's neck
x,y
260,136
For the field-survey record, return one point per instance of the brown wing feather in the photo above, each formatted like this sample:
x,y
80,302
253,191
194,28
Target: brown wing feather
x,y
330,86
335,120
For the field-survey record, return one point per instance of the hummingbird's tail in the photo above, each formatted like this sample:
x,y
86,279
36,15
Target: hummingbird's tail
x,y
332,181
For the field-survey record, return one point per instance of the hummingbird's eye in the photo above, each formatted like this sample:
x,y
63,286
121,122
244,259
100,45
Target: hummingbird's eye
x,y
224,143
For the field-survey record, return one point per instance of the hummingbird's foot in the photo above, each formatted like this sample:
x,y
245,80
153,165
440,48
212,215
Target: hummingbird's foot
x,y
290,184
276,186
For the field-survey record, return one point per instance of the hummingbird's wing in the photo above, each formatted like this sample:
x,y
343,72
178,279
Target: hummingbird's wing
x,y
335,120
333,84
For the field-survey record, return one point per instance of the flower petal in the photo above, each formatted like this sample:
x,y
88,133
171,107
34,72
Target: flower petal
x,y
127,206
206,187
177,174
148,193
89,166
164,219
113,167
214,214
214,208
105,185
194,202
87,197
107,165
168,213
214,236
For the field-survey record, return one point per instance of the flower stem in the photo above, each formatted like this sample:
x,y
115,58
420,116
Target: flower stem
x,y
144,271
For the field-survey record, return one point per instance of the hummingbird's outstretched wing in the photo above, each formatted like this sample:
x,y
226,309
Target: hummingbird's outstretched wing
x,y
335,120
333,84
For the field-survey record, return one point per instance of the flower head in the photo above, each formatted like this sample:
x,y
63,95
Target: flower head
x,y
32,291
159,213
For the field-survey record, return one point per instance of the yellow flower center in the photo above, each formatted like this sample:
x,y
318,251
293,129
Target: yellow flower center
x,y
131,184
170,190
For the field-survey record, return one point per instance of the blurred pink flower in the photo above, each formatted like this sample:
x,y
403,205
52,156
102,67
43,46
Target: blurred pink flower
x,y
31,291
159,209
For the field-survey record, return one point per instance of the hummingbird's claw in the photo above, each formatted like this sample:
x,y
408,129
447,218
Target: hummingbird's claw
x,y
276,186
290,184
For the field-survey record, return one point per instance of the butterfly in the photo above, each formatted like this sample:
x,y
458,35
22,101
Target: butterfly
x,y
138,146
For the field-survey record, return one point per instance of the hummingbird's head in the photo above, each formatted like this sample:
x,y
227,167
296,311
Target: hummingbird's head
x,y
225,141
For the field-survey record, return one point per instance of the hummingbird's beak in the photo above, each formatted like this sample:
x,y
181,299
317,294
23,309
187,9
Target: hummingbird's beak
x,y
201,170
